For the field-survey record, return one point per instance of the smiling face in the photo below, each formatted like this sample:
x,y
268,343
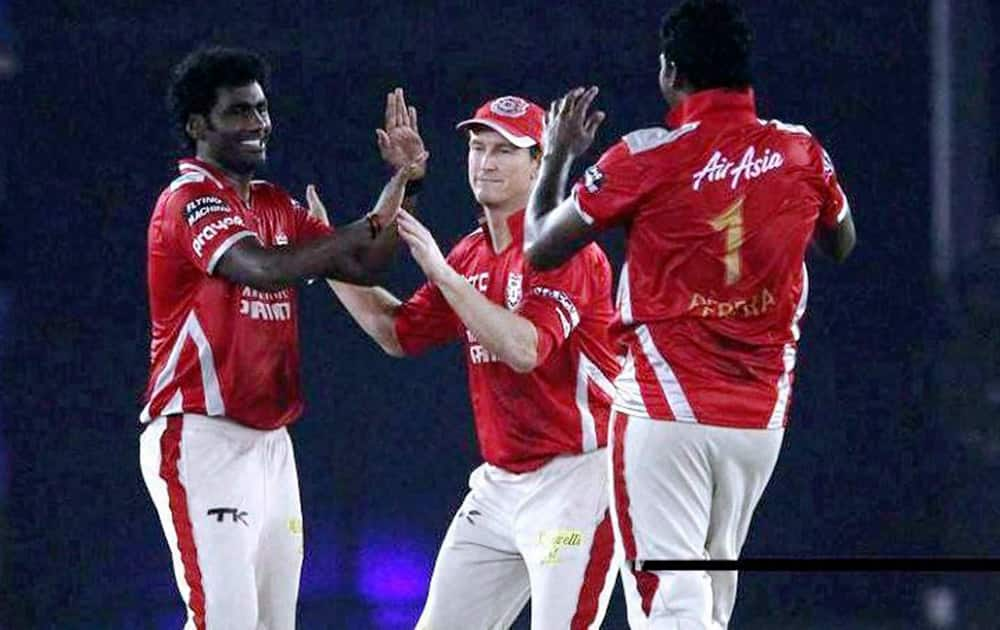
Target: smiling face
x,y
500,174
235,132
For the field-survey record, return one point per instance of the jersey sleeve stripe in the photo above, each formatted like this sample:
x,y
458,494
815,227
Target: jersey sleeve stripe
x,y
676,399
845,209
222,249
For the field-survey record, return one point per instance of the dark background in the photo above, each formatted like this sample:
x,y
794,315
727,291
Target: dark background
x,y
893,447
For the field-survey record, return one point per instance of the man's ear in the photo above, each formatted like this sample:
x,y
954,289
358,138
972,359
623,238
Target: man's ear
x,y
196,126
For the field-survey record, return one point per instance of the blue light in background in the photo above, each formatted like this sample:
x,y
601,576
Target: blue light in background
x,y
393,567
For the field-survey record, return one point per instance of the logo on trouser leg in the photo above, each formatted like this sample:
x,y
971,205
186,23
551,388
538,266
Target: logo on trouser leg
x,y
239,516
468,515
553,541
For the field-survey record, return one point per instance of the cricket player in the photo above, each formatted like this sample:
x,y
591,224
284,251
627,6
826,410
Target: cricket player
x,y
535,522
224,254
719,208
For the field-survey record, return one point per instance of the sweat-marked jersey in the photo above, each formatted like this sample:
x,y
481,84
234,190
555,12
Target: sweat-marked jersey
x,y
219,348
719,210
562,406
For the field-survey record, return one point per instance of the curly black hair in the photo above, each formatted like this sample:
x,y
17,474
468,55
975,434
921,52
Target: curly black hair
x,y
709,42
194,81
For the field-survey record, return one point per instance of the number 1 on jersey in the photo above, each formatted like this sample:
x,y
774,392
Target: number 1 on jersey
x,y
731,220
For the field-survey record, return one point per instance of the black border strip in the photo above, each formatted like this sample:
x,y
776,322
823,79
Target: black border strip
x,y
827,564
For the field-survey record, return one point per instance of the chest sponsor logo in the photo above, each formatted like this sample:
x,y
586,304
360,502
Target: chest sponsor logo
x,y
212,230
554,541
481,281
271,307
513,293
750,166
201,207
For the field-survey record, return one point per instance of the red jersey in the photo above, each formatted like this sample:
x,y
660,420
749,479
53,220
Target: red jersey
x,y
719,211
563,405
219,348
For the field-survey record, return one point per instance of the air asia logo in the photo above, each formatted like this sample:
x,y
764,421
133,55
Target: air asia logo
x,y
212,230
749,167
593,179
238,515
201,207
514,281
509,106
555,540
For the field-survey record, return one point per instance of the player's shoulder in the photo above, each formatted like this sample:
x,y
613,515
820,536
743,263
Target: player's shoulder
x,y
189,191
468,244
651,138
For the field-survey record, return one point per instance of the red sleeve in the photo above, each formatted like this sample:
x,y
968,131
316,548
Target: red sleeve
x,y
556,299
307,226
609,190
426,320
835,206
203,225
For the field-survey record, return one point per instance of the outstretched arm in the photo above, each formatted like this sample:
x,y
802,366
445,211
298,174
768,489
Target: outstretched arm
x,y
509,336
553,228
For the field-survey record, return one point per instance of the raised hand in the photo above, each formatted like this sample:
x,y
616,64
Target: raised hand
x,y
399,142
316,207
423,247
569,125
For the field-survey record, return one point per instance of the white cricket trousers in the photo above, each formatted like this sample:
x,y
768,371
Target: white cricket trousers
x,y
685,492
228,500
544,534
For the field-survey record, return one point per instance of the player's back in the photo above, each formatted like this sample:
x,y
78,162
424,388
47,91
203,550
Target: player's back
x,y
719,212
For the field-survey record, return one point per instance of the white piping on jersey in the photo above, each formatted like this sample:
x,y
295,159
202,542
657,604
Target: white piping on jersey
x,y
175,404
788,357
586,373
186,178
790,128
197,169
210,382
624,297
680,408
845,209
222,249
651,137
628,395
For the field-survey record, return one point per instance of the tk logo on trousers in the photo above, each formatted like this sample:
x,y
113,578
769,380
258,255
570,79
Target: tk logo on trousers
x,y
239,516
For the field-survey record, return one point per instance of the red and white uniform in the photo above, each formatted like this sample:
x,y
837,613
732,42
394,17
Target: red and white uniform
x,y
224,381
218,348
562,406
719,210
536,520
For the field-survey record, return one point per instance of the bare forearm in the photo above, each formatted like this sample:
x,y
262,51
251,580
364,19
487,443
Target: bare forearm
x,y
373,308
271,269
507,335
544,248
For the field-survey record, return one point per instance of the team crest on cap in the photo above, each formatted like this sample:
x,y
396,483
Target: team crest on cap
x,y
510,106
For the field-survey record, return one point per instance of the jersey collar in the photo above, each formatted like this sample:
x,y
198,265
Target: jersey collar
x,y
515,224
213,173
727,106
